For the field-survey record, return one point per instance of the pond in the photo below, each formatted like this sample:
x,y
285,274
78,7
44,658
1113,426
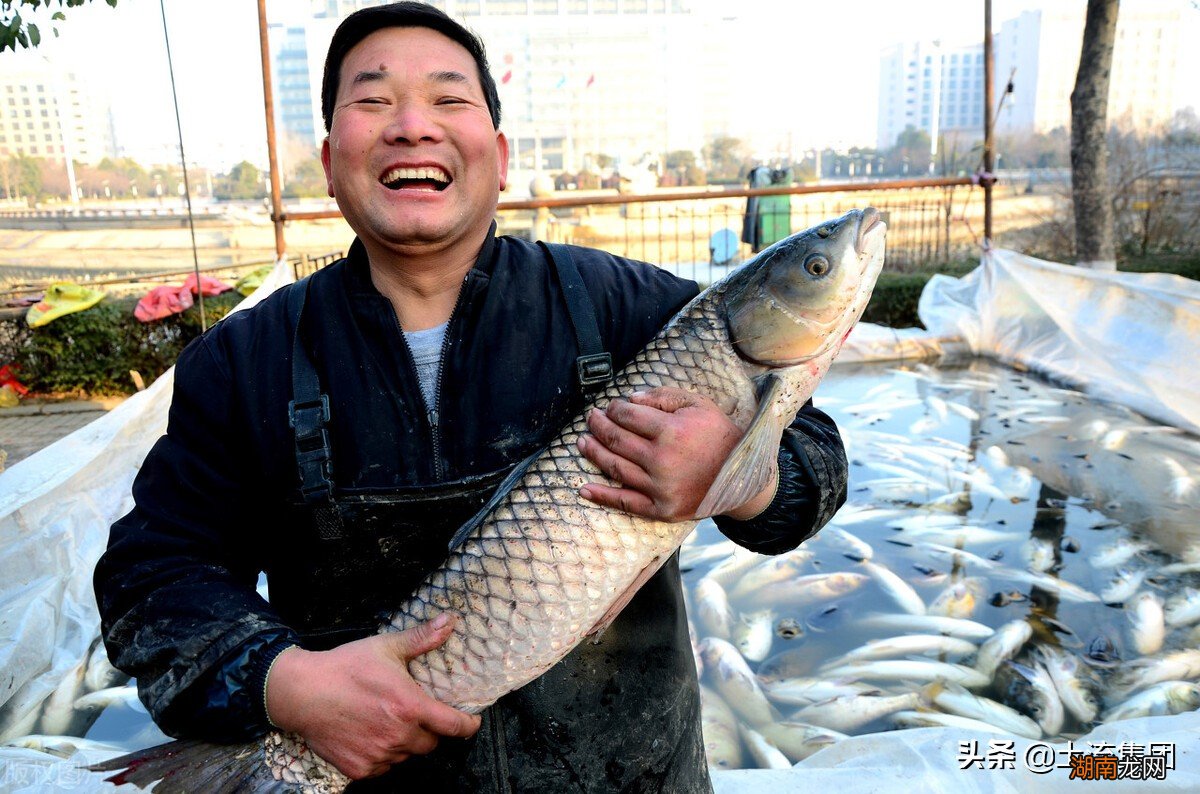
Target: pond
x,y
992,496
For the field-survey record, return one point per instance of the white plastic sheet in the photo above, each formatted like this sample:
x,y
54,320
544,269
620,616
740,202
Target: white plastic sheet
x,y
1123,337
926,760
1129,338
55,510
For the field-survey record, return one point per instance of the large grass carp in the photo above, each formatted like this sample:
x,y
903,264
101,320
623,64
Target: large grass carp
x,y
540,569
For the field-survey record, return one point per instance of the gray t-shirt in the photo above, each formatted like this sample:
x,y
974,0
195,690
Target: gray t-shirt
x,y
426,347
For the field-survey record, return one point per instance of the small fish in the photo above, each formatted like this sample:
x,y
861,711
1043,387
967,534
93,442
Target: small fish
x,y
896,588
1054,585
936,719
727,572
693,554
851,545
1166,697
955,627
712,608
797,740
805,691
753,634
911,670
1073,681
1141,673
1031,690
1183,609
765,754
1119,553
123,696
734,681
959,600
1122,586
805,590
957,700
1003,645
719,729
1040,555
769,572
851,712
906,645
1147,622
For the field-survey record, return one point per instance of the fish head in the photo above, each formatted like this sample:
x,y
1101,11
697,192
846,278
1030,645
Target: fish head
x,y
799,298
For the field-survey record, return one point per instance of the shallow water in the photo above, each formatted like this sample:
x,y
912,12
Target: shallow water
x,y
981,446
986,447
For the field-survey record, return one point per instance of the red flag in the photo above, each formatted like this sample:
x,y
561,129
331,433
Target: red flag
x,y
591,80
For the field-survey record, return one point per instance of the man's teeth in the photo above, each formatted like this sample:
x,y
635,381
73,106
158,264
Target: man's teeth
x,y
425,174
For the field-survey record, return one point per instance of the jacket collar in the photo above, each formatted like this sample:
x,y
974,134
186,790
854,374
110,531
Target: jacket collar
x,y
358,269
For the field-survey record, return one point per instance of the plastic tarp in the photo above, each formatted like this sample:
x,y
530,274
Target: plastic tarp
x,y
55,510
1121,337
1130,338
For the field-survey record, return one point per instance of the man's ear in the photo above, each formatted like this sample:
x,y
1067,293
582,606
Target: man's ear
x,y
326,166
502,155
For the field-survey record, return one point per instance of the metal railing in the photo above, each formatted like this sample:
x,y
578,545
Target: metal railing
x,y
675,229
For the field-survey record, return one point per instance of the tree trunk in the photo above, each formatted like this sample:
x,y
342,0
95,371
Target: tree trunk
x,y
1094,246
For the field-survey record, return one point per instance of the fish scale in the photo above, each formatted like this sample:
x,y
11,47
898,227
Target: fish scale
x,y
525,583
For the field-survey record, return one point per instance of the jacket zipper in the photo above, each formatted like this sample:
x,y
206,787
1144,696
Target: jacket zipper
x,y
432,414
500,750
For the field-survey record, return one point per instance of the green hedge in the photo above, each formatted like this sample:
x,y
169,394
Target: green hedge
x,y
93,351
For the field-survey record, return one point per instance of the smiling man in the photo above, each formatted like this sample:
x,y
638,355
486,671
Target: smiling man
x,y
336,436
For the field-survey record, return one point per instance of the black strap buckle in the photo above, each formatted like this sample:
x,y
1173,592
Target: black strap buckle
x,y
594,371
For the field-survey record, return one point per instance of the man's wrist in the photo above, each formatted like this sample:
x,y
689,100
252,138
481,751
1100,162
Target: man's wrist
x,y
753,508
260,674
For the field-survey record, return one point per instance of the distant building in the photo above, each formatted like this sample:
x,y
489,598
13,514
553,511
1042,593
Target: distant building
x,y
48,113
939,89
1044,47
930,87
581,82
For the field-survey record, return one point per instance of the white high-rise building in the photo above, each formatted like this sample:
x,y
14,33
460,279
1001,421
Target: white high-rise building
x,y
49,113
1044,48
1040,50
929,87
580,81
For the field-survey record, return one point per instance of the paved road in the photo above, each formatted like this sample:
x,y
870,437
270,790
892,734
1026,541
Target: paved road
x,y
33,425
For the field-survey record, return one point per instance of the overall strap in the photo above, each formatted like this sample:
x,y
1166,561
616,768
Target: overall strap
x,y
593,367
308,415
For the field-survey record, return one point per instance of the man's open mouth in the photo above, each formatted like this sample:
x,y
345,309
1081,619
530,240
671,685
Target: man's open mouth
x,y
424,178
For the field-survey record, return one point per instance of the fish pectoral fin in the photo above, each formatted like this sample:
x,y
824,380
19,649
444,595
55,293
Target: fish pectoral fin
x,y
616,606
749,465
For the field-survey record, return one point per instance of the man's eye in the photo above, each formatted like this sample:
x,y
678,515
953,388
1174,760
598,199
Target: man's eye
x,y
371,100
451,100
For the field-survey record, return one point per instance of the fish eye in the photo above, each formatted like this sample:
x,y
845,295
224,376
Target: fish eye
x,y
816,265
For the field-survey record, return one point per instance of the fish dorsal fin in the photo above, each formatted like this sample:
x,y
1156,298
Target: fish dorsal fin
x,y
501,491
748,466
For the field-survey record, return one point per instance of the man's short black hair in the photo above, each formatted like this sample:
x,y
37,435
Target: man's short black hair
x,y
363,23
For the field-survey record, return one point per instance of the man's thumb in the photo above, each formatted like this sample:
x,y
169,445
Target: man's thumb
x,y
423,637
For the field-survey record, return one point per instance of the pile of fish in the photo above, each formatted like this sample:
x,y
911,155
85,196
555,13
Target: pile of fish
x,y
1013,559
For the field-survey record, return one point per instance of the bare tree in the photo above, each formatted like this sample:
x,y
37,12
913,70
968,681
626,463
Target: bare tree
x,y
1094,245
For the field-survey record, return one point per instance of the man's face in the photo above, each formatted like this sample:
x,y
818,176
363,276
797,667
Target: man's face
x,y
412,157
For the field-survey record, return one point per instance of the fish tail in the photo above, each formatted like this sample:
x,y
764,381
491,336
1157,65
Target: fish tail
x,y
190,765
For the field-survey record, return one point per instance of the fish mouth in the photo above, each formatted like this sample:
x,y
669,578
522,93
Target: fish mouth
x,y
870,228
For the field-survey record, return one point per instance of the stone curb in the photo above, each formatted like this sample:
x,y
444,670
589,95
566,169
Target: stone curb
x,y
40,407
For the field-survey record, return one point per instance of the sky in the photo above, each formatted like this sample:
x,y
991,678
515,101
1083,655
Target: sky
x,y
827,55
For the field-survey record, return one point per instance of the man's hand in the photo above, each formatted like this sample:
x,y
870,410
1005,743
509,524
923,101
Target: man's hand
x,y
358,707
665,447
